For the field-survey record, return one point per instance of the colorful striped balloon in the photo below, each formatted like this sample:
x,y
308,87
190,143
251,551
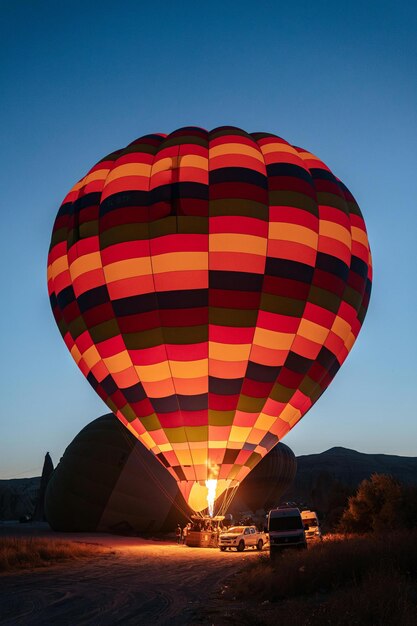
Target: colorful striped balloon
x,y
209,285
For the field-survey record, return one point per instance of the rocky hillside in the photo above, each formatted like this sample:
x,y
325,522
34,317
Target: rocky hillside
x,y
350,468
18,497
324,481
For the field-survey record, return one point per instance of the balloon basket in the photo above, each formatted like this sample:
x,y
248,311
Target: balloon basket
x,y
205,532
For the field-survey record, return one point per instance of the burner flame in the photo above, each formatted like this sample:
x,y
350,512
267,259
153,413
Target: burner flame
x,y
211,485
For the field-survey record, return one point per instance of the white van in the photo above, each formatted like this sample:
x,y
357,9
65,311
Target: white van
x,y
311,525
286,530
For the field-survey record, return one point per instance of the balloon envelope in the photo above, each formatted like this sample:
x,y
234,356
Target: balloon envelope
x,y
209,285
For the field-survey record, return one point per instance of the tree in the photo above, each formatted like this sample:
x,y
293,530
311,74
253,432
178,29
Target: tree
x,y
376,506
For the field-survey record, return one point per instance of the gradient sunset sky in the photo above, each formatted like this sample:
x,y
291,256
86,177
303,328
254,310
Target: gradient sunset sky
x,y
80,79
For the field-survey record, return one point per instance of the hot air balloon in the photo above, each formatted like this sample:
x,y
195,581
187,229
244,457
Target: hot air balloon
x,y
209,285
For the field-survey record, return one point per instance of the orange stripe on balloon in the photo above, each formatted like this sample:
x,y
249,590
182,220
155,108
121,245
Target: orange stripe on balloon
x,y
244,161
237,262
87,281
130,287
193,279
306,347
292,251
335,248
227,369
127,183
267,356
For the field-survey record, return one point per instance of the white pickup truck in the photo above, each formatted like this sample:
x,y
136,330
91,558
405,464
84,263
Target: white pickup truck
x,y
241,537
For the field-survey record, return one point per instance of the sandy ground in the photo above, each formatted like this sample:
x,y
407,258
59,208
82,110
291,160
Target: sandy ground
x,y
139,582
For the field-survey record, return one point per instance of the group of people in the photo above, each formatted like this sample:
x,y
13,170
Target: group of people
x,y
207,526
181,533
197,526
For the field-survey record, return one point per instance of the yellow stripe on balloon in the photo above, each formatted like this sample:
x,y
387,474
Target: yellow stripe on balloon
x,y
91,356
96,175
287,414
264,422
219,444
175,261
350,341
239,433
58,266
184,456
229,352
153,373
231,242
147,440
335,231
273,339
235,149
293,232
130,268
183,369
129,169
84,264
76,354
341,327
118,362
276,146
313,331
359,235
199,456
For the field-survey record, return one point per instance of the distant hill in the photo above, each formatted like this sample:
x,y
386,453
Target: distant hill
x,y
350,467
321,480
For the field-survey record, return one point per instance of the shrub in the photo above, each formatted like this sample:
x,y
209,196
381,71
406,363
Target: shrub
x,y
375,506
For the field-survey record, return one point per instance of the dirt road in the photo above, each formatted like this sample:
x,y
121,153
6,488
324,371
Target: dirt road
x,y
141,582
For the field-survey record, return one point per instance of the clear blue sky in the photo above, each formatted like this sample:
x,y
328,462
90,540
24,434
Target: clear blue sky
x,y
79,79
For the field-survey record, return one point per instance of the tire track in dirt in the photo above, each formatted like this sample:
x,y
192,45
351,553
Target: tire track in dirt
x,y
142,582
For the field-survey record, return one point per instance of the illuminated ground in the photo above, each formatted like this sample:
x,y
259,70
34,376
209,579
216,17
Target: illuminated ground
x,y
142,582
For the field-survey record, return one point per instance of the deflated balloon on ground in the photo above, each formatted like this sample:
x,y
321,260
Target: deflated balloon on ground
x,y
107,481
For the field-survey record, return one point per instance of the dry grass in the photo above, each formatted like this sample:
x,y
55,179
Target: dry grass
x,y
380,599
22,553
329,565
346,581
